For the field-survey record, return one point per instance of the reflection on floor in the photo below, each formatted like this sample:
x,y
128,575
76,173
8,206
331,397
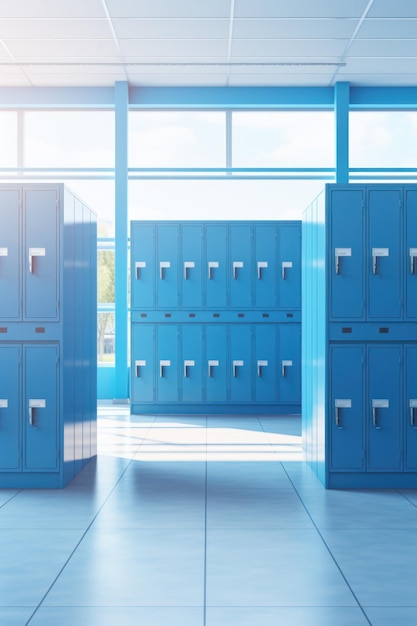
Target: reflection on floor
x,y
205,521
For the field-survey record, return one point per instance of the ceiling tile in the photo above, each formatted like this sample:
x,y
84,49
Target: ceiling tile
x,y
54,29
274,80
384,48
168,8
34,48
52,8
275,28
391,8
300,8
177,80
190,48
74,80
172,29
388,29
288,47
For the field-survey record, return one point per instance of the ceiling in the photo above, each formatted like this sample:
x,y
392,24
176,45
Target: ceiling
x,y
208,42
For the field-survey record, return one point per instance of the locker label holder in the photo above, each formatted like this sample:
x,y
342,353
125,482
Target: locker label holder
x,y
237,364
413,255
212,363
211,266
139,265
34,252
378,404
413,405
378,252
138,365
236,266
339,252
341,403
285,265
187,364
188,265
261,364
284,365
163,364
163,265
261,265
35,404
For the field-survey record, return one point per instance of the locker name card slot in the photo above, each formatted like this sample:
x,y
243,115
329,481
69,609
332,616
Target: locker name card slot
x,y
139,265
35,252
285,265
376,253
413,255
211,266
340,252
341,403
413,405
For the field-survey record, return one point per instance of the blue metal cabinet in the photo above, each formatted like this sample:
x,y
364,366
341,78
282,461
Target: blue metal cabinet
x,y
346,406
265,363
241,266
410,408
167,363
41,407
143,363
410,254
10,254
289,363
241,363
192,266
265,242
217,362
192,362
10,407
384,408
346,254
384,254
143,266
216,266
167,243
40,217
289,266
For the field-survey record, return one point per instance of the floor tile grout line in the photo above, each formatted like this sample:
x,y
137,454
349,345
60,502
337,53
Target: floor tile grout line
x,y
83,536
406,498
12,497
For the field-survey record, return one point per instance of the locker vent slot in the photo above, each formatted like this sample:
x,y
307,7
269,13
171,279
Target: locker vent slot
x,y
290,314
265,314
144,315
39,329
216,314
346,330
241,315
191,314
167,314
384,329
3,329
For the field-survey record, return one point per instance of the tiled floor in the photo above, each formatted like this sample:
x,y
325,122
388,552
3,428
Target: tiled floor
x,y
196,521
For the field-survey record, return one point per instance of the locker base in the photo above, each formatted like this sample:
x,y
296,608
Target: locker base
x,y
372,480
215,409
35,480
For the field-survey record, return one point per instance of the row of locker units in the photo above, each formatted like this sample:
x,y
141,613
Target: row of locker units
x,y
216,368
196,265
48,335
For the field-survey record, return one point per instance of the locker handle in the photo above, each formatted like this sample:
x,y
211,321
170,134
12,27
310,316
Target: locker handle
x,y
236,265
4,252
211,364
261,266
378,404
4,404
212,265
236,364
413,255
33,252
35,404
338,252
138,365
163,364
413,405
376,253
341,404
162,266
261,364
139,265
188,364
187,265
285,364
285,265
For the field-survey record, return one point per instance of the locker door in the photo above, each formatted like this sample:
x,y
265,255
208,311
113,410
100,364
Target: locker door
x,y
265,363
289,363
216,373
86,330
241,363
79,347
265,266
410,254
167,266
289,266
192,362
10,283
346,276
216,269
40,415
41,255
192,266
10,401
410,411
241,267
384,408
167,363
143,362
384,254
142,270
345,411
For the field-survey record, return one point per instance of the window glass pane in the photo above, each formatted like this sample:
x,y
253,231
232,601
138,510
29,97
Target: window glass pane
x,y
69,138
99,196
105,337
105,276
177,139
283,139
383,139
8,139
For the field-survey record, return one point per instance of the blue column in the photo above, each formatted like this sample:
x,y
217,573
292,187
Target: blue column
x,y
341,115
121,101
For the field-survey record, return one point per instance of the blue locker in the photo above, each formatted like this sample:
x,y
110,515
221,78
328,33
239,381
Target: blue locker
x,y
241,266
167,363
384,408
265,266
10,251
143,363
216,266
346,408
41,255
410,254
192,266
192,362
79,339
288,275
241,363
167,266
10,403
143,266
289,363
265,363
410,409
87,287
384,254
217,361
41,407
346,260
